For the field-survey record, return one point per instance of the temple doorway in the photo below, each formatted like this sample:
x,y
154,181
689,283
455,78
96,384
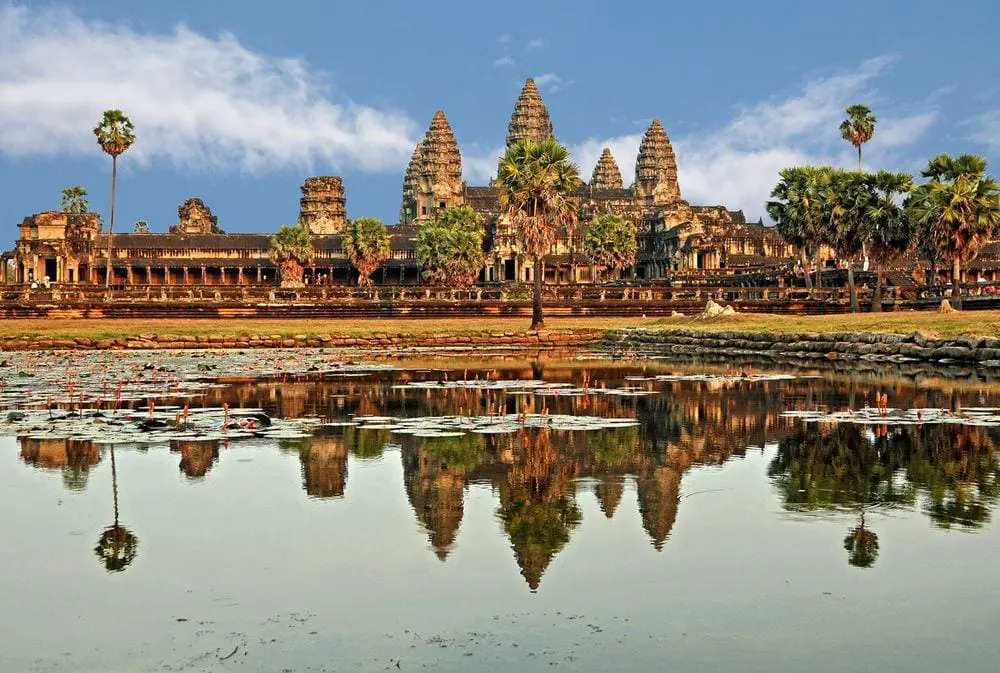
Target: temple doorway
x,y
50,268
508,270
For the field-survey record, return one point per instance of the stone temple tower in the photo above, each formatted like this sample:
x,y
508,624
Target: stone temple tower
x,y
656,168
433,180
322,206
606,174
530,119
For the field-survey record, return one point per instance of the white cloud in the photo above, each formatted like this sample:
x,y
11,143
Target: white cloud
x,y
738,163
503,62
195,100
504,39
479,165
537,43
986,129
551,82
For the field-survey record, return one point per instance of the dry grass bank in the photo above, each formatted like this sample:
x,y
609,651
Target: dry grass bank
x,y
986,323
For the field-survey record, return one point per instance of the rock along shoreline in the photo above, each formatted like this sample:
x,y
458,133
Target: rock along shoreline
x,y
847,346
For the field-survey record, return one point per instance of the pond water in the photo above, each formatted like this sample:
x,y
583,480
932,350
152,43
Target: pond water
x,y
447,516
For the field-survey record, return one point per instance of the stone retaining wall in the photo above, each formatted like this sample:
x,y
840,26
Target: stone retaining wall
x,y
966,349
541,340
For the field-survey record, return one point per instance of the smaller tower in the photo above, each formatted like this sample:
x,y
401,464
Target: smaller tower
x,y
322,208
195,218
606,174
408,209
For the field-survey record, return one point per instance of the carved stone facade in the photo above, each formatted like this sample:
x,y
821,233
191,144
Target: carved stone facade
x,y
322,207
195,218
673,235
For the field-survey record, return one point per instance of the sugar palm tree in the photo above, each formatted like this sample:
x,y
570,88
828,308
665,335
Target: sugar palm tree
x,y
887,227
845,200
291,249
117,545
366,242
140,227
858,128
797,208
115,135
537,181
958,209
611,241
74,200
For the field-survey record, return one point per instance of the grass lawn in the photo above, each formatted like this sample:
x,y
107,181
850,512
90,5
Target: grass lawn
x,y
986,323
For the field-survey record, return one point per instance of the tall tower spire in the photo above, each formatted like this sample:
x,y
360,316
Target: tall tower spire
x,y
437,171
656,167
530,119
606,174
408,210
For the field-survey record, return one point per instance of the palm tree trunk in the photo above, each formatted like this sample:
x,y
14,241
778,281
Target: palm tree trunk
x,y
956,283
860,169
819,272
537,321
877,297
852,288
805,268
111,220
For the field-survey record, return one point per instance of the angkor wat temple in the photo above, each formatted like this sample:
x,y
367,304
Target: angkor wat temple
x,y
673,234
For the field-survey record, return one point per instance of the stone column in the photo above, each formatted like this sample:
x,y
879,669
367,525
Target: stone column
x,y
129,274
239,275
259,272
203,279
187,276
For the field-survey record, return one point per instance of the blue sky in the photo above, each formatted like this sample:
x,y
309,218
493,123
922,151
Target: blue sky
x,y
238,102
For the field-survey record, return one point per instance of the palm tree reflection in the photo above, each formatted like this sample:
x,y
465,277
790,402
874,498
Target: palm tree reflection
x,y
117,545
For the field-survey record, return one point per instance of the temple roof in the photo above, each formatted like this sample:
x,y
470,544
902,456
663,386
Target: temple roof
x,y
606,174
440,159
656,163
530,119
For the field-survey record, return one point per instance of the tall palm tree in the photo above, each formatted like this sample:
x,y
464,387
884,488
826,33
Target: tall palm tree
x,y
958,209
117,545
887,227
537,181
366,242
858,128
115,135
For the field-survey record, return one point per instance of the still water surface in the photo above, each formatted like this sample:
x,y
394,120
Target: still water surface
x,y
716,534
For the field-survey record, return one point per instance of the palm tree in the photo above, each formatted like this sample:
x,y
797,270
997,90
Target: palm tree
x,y
611,241
74,200
958,209
798,210
845,200
140,227
450,248
887,228
291,249
115,135
366,243
537,181
858,128
117,545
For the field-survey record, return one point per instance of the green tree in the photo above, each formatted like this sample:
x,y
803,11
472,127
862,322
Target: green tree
x,y
861,545
957,210
537,181
450,248
74,200
798,208
117,546
887,228
611,241
140,227
845,201
115,135
858,128
366,243
291,249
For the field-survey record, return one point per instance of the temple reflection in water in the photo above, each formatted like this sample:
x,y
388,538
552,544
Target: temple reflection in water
x,y
948,472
